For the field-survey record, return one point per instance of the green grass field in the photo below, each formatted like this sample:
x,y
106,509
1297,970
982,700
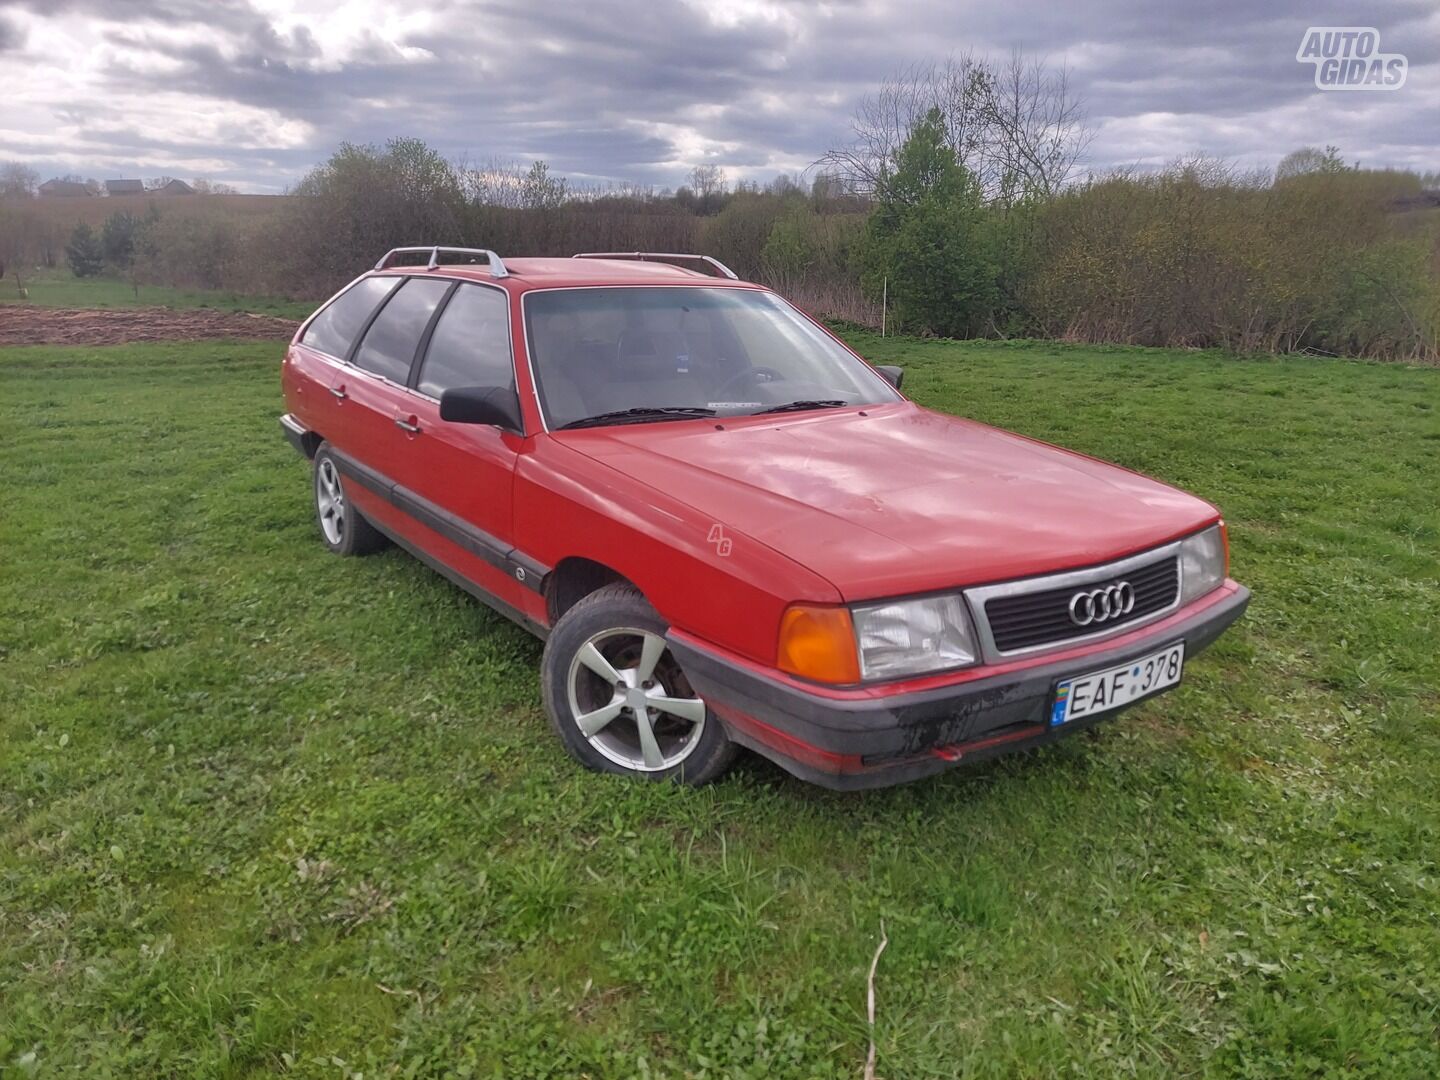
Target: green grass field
x,y
266,810
61,289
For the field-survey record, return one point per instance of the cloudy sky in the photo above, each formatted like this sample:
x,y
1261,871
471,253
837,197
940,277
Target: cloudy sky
x,y
253,92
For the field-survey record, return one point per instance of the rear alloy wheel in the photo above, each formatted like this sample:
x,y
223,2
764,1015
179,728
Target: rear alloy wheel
x,y
342,527
619,700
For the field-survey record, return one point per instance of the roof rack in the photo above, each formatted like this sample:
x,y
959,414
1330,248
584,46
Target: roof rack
x,y
642,256
497,267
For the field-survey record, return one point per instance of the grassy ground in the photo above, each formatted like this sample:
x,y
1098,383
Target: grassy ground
x,y
262,809
62,289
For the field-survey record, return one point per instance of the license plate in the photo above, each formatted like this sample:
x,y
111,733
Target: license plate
x,y
1101,691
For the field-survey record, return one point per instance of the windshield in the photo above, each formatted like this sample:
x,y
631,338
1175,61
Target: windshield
x,y
705,351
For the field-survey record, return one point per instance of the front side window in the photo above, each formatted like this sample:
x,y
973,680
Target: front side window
x,y
390,343
470,345
712,351
334,330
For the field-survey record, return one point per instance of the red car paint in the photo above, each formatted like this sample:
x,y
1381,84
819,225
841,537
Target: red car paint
x,y
826,507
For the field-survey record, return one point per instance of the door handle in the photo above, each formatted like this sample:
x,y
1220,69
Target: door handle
x,y
338,392
405,425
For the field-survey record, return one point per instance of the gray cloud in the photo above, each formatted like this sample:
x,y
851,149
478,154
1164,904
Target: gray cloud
x,y
635,90
11,35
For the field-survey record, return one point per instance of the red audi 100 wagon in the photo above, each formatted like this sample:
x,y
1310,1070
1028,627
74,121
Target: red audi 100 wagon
x,y
730,529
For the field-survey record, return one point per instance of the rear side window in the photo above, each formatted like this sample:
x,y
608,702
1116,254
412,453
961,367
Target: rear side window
x,y
334,330
471,343
390,343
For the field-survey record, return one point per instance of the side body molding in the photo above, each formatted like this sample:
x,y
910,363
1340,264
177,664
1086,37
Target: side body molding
x,y
529,572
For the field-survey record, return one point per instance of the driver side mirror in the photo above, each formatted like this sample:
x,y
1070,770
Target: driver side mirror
x,y
892,374
495,405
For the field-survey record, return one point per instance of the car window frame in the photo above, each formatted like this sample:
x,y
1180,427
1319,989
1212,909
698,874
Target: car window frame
x,y
328,304
410,385
424,338
413,383
709,283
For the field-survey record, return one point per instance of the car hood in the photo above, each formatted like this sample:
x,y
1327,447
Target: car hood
x,y
897,499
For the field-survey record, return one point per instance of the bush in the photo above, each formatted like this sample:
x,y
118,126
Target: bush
x,y
83,252
117,239
194,252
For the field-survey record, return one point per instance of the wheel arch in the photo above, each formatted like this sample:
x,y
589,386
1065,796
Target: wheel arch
x,y
573,579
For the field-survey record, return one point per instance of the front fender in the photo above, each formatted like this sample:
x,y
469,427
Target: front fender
x,y
702,575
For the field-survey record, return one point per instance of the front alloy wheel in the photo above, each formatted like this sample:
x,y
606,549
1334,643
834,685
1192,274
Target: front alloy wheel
x,y
622,700
619,700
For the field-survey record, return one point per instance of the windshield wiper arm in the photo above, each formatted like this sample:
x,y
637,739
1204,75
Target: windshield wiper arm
x,y
810,403
640,415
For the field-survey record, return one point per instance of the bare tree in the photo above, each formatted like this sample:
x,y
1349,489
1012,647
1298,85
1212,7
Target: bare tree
x,y
17,180
495,182
883,120
1035,127
707,181
22,239
1017,125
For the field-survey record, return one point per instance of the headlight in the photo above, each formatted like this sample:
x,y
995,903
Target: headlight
x,y
1203,560
911,637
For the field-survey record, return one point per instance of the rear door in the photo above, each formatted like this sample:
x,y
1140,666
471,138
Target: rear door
x,y
374,389
458,478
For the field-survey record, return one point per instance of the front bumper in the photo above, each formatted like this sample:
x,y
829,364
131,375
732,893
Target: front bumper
x,y
871,738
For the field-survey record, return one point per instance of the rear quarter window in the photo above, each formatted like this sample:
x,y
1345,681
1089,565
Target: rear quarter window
x,y
334,330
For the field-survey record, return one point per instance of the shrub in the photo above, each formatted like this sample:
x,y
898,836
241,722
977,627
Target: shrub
x,y
83,252
117,239
196,252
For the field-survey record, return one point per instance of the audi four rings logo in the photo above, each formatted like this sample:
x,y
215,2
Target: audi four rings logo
x,y
1102,605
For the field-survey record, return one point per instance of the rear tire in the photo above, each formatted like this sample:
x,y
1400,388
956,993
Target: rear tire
x,y
618,699
342,527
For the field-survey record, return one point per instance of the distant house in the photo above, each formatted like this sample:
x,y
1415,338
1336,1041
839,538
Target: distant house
x,y
124,187
63,187
176,187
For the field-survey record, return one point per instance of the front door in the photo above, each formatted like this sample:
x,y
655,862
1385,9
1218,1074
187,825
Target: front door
x,y
457,479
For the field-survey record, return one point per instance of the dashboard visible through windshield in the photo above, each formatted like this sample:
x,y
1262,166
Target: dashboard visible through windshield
x,y
629,354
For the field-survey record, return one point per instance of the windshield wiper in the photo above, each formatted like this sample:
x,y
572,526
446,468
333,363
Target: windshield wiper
x,y
796,406
640,415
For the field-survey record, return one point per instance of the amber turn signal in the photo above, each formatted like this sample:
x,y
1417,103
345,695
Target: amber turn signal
x,y
818,643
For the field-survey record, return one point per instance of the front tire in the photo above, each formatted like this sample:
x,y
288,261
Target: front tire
x,y
342,527
618,699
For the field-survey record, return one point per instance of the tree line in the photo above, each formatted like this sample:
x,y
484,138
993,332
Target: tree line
x,y
959,202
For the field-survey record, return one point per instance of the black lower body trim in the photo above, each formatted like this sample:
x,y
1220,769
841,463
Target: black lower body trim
x,y
484,595
457,530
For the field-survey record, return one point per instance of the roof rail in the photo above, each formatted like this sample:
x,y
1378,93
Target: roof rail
x,y
497,267
661,255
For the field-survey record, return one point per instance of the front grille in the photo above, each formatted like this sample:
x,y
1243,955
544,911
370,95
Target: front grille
x,y
1028,620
